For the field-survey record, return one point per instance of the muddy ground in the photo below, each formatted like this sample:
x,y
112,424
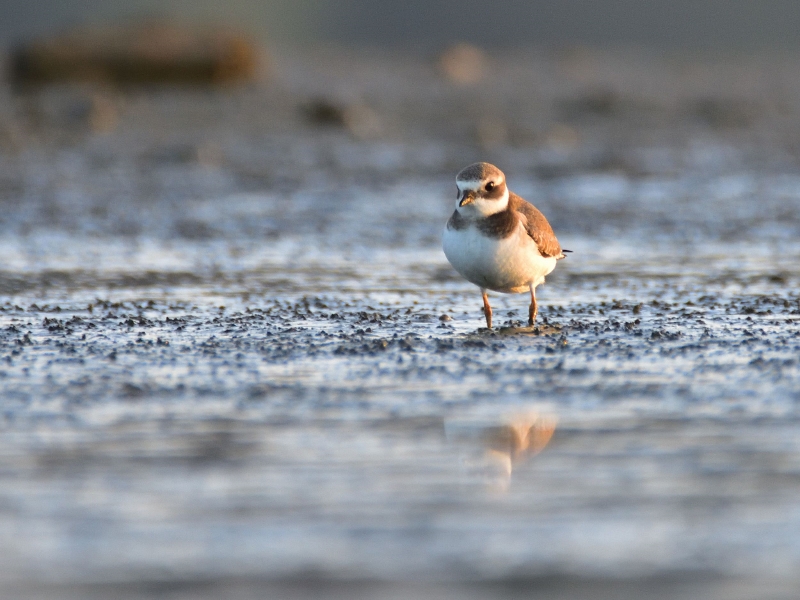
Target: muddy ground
x,y
235,362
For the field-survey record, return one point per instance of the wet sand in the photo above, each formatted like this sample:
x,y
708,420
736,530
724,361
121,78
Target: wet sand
x,y
234,360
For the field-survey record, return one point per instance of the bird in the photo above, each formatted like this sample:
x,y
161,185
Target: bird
x,y
497,240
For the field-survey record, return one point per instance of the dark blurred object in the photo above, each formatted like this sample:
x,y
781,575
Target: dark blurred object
x,y
321,111
721,113
597,103
360,120
140,54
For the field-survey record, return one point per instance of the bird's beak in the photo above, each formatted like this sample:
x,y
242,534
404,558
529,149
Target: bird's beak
x,y
468,197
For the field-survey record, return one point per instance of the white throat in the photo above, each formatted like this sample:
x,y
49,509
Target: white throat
x,y
480,207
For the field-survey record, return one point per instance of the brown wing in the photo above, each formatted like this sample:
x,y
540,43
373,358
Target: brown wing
x,y
536,225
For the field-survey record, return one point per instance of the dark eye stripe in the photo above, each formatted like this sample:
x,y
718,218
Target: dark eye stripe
x,y
495,193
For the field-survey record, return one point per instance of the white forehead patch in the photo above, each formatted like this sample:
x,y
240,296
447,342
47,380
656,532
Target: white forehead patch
x,y
472,184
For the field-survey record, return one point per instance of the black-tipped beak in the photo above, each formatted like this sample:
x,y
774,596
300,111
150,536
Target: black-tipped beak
x,y
468,197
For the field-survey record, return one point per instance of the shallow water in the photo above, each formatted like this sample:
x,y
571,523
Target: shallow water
x,y
259,372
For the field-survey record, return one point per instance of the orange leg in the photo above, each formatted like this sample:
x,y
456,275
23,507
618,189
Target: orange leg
x,y
487,310
534,309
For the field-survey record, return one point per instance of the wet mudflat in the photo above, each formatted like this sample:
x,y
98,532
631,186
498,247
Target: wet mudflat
x,y
234,360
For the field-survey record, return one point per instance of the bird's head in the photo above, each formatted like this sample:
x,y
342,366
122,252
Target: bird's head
x,y
482,190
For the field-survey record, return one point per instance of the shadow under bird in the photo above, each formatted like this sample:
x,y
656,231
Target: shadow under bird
x,y
497,240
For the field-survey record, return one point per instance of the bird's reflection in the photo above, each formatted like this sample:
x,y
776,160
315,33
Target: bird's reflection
x,y
490,450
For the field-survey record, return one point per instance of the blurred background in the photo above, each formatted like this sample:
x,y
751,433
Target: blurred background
x,y
681,24
234,361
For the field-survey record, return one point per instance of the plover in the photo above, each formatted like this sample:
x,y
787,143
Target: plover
x,y
497,240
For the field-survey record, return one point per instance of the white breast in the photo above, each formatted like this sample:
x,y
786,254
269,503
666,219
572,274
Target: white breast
x,y
508,265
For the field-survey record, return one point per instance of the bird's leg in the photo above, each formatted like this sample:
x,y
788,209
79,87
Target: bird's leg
x,y
534,309
487,310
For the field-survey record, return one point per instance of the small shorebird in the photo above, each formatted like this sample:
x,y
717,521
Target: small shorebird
x,y
497,240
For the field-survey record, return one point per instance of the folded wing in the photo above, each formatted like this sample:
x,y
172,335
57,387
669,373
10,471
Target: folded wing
x,y
537,227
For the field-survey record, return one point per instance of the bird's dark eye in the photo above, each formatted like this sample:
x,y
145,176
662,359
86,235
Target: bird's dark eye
x,y
490,186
